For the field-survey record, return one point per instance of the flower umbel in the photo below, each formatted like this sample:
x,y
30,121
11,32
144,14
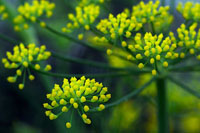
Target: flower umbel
x,y
190,11
31,12
80,95
23,58
153,50
116,27
152,13
188,40
85,16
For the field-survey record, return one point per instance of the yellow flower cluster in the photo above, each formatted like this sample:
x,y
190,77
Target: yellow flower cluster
x,y
78,94
153,51
188,40
3,13
116,27
190,11
83,3
22,58
152,13
84,17
31,12
125,23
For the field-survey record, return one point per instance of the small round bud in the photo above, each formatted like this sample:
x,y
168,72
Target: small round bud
x,y
154,72
84,116
21,86
37,67
25,64
75,105
68,125
43,24
141,65
109,51
80,36
165,64
64,109
31,77
83,99
86,108
101,107
19,72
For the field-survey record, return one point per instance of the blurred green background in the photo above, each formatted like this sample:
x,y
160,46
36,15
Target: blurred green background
x,y
22,111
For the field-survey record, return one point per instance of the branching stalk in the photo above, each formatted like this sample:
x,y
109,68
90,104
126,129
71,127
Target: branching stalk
x,y
184,87
110,74
71,38
133,94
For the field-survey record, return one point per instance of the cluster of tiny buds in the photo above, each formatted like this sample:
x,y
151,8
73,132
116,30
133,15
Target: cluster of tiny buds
x,y
85,16
154,49
153,14
150,51
82,95
31,13
23,58
188,40
124,24
190,11
149,12
3,13
119,26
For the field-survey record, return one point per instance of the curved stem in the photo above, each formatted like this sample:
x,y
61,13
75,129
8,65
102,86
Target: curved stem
x,y
187,68
95,64
71,38
186,88
84,61
79,42
93,29
8,39
111,74
126,97
96,32
163,126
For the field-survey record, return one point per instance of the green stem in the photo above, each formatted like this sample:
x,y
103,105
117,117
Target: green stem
x,y
84,61
186,88
8,39
78,41
111,74
162,106
95,64
133,94
153,28
187,68
96,32
71,38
